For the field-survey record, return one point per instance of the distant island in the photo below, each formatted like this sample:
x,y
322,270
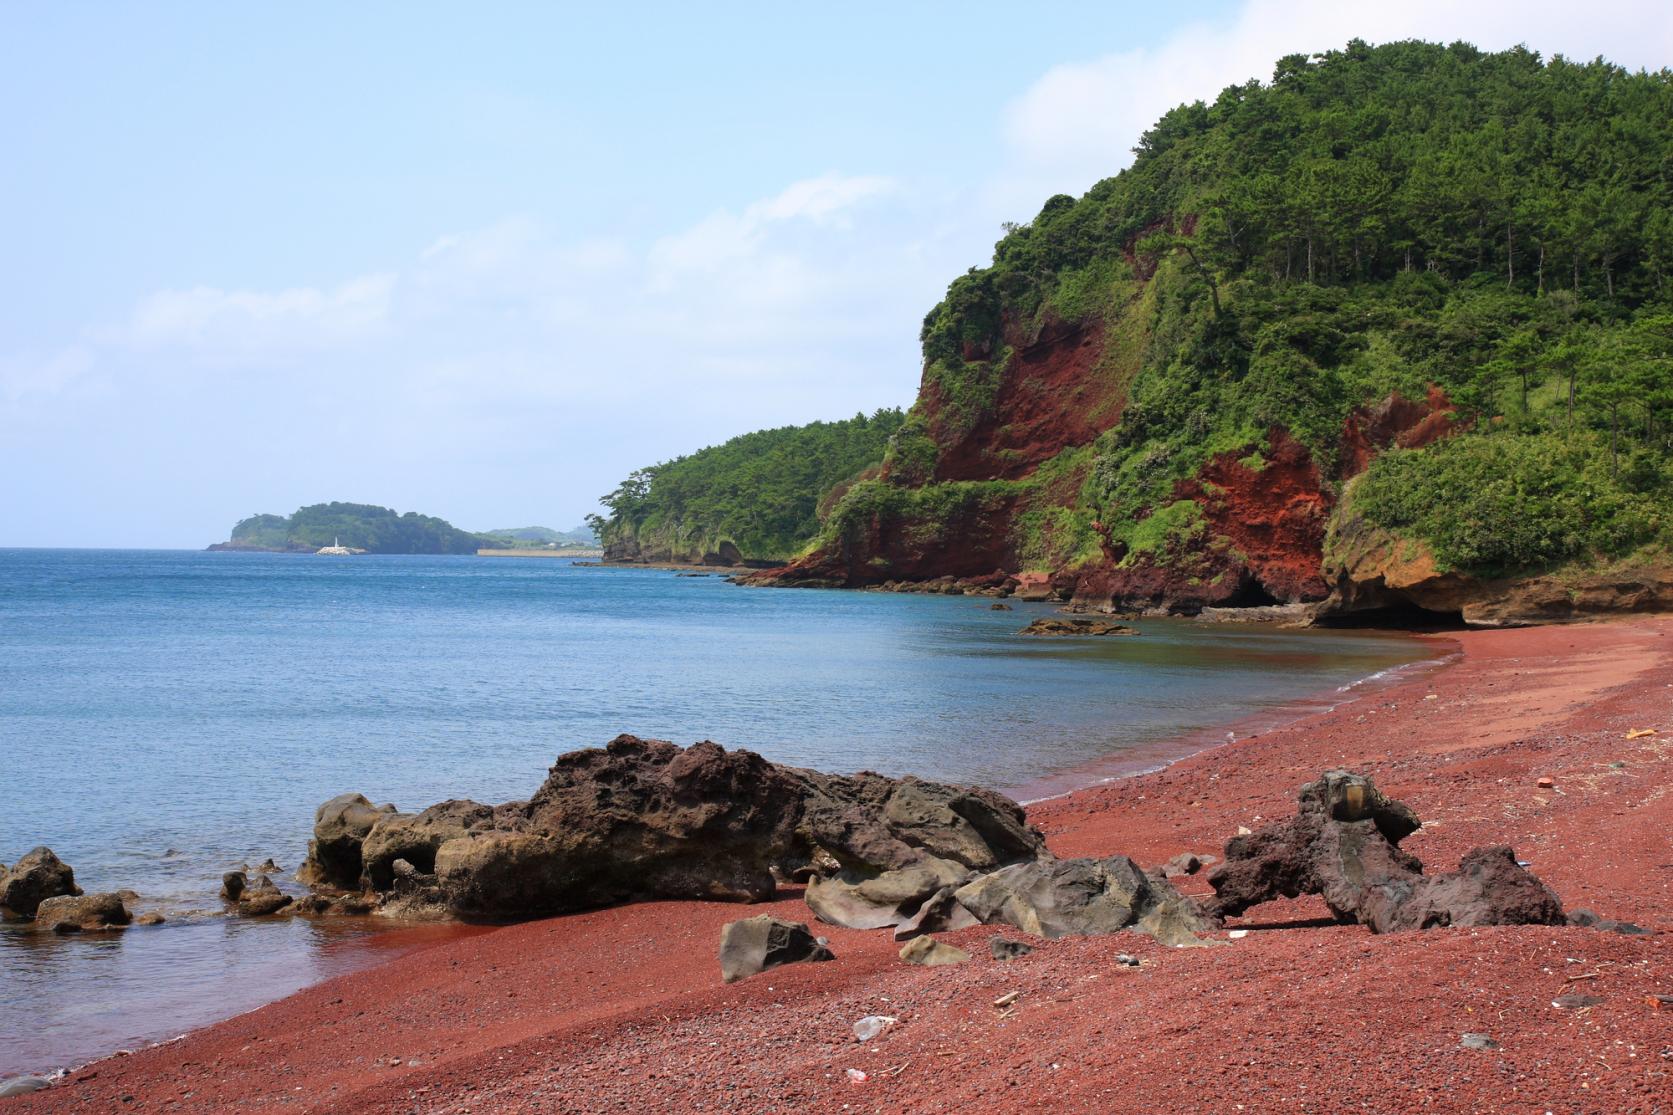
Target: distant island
x,y
381,530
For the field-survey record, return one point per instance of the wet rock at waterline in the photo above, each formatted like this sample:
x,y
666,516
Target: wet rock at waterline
x,y
753,945
37,876
262,898
82,913
1051,625
340,827
644,819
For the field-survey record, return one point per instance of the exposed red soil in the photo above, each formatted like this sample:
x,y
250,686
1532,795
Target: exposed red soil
x,y
1395,422
1274,516
623,1009
1050,399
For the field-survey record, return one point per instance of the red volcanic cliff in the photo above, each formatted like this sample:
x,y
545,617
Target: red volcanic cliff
x,y
1050,397
993,490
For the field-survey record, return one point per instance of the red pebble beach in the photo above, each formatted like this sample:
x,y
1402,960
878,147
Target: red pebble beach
x,y
624,1010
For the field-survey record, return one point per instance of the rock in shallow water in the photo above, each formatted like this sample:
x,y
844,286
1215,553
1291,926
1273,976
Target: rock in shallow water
x,y
755,944
39,875
76,914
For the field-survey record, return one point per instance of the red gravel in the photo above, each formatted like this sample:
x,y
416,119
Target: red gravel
x,y
623,1009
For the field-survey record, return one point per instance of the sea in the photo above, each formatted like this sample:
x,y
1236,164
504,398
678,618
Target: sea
x,y
167,716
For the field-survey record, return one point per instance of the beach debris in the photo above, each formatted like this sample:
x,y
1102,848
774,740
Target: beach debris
x,y
1477,1041
1245,830
756,944
1237,934
1576,1000
37,876
1640,733
1003,948
1006,999
1659,1002
23,1085
857,1076
77,913
1127,960
872,1025
1343,844
1546,782
930,953
1051,625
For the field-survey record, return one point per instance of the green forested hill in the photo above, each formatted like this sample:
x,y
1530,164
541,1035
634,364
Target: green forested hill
x,y
377,530
1370,224
760,492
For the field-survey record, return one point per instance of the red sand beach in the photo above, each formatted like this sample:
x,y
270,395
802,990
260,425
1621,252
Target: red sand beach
x,y
623,1009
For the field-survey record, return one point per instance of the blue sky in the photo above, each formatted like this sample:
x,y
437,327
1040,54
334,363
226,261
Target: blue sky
x,y
481,261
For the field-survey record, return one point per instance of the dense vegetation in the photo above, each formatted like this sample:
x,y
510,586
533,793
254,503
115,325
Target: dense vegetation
x,y
1372,221
760,491
541,538
377,530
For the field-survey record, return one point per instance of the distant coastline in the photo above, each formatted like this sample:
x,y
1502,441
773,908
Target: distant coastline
x,y
575,552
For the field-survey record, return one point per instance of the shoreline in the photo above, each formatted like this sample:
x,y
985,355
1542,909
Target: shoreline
x,y
1463,741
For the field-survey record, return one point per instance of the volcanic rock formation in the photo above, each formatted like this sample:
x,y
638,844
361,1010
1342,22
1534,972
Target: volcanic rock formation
x,y
1343,844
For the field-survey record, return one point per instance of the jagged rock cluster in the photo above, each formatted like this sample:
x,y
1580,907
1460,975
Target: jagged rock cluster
x,y
645,819
1343,844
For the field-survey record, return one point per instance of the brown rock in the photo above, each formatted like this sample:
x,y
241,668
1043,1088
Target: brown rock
x,y
334,854
79,913
1052,625
39,875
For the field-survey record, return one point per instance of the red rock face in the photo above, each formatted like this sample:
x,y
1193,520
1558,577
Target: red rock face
x,y
1050,399
1394,422
1275,517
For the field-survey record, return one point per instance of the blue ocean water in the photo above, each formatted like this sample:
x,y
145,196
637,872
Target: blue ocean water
x,y
166,716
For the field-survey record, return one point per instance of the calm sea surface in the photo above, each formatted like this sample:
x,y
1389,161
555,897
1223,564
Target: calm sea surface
x,y
167,716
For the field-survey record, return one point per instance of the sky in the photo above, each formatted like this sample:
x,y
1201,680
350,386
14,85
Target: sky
x,y
481,261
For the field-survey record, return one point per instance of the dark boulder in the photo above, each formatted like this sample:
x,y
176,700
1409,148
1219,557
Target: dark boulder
x,y
644,819
262,898
39,875
1051,625
233,884
340,828
1343,845
755,944
82,913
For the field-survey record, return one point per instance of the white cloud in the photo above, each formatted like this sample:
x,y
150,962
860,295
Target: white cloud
x,y
724,237
1079,121
220,323
26,377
